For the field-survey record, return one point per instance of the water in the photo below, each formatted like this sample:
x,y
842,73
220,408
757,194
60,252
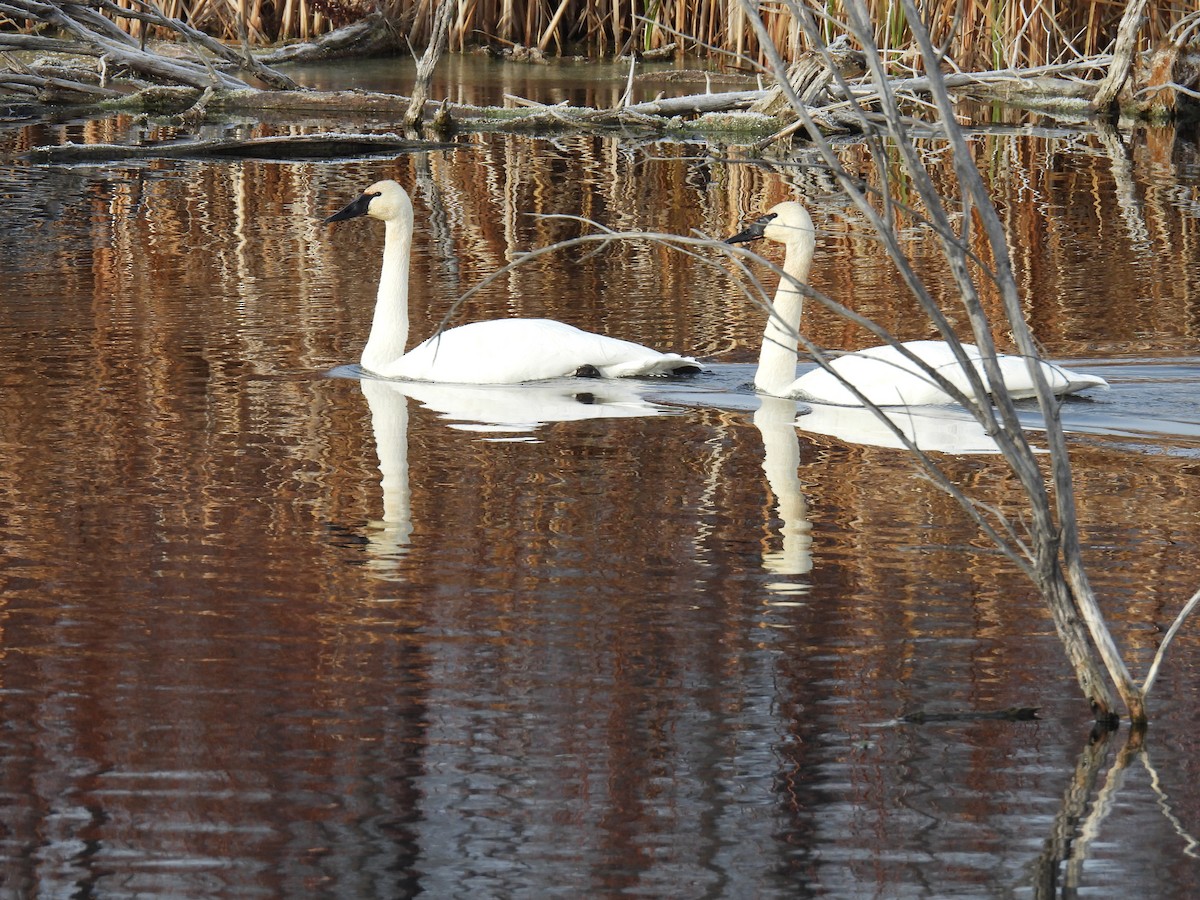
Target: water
x,y
269,629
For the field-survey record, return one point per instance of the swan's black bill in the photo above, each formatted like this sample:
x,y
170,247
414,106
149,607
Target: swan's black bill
x,y
352,210
752,232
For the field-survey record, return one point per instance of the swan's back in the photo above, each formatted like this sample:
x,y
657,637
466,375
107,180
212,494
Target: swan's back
x,y
508,351
887,378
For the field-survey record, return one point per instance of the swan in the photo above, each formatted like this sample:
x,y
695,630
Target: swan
x,y
882,374
501,351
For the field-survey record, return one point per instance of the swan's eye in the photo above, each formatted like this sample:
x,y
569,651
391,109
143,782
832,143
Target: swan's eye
x,y
767,219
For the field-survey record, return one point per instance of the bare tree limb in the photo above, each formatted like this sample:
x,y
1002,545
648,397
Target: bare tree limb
x,y
1122,64
1187,610
428,62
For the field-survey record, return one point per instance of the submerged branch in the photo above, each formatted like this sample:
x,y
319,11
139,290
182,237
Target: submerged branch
x,y
1188,609
306,146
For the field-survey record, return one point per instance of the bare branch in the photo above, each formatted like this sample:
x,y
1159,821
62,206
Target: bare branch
x,y
1166,641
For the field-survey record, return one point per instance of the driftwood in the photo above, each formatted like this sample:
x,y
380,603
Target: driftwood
x,y
55,84
810,78
308,146
373,33
355,104
1123,53
653,116
103,38
428,62
1038,87
208,64
245,61
666,107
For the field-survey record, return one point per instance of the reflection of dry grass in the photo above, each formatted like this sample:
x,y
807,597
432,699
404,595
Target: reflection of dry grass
x,y
1058,196
483,206
978,34
266,260
211,300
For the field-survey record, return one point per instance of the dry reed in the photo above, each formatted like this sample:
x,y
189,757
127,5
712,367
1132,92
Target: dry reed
x,y
977,34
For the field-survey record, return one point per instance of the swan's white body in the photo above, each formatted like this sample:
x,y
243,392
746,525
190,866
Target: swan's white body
x,y
881,374
502,351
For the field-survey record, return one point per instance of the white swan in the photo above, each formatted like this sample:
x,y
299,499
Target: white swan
x,y
881,374
502,351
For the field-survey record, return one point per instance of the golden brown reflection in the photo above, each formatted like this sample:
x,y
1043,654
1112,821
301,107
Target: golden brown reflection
x,y
231,655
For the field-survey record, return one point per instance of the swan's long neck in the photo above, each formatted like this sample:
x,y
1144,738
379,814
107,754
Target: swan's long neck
x,y
777,361
389,328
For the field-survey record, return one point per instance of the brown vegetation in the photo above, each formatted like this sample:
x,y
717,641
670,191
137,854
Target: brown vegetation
x,y
1006,54
976,35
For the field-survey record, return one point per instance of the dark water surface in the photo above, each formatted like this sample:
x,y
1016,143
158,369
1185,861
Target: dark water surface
x,y
657,645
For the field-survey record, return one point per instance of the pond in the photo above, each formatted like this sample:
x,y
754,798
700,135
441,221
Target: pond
x,y
268,628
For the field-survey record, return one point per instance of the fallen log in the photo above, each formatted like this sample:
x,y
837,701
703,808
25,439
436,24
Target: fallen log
x,y
811,79
370,35
1034,88
96,35
55,90
280,147
462,115
241,61
103,38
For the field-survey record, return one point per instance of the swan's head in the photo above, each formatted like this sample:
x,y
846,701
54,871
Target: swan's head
x,y
384,200
785,223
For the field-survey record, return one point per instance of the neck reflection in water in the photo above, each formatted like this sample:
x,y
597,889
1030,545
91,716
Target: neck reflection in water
x,y
503,412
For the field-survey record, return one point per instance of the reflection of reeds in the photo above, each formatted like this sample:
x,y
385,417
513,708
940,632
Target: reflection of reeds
x,y
977,34
202,364
1057,197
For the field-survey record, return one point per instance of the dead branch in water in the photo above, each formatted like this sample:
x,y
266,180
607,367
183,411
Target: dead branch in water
x,y
305,146
1051,552
1118,72
825,81
428,62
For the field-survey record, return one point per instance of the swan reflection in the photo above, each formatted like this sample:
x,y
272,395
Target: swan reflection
x,y
775,419
525,407
487,408
933,429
